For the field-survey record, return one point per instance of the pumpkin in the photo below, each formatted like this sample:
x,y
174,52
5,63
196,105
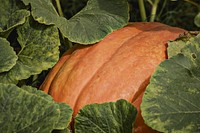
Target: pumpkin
x,y
118,67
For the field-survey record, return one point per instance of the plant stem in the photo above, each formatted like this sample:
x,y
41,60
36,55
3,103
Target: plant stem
x,y
60,12
153,11
162,9
142,10
150,2
59,8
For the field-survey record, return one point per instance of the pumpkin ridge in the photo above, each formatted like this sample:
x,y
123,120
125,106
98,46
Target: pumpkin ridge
x,y
142,88
140,26
115,53
50,77
168,32
140,31
146,82
98,70
62,70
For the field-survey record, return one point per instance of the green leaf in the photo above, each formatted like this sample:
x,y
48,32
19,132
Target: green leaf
x,y
65,111
65,116
43,11
96,20
90,25
197,20
12,14
171,101
174,47
26,111
113,117
39,51
8,56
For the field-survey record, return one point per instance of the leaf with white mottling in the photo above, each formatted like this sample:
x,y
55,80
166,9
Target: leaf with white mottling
x,y
39,51
26,109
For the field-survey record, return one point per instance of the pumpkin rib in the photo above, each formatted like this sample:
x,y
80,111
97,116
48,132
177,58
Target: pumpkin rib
x,y
85,88
91,50
142,88
60,78
51,75
61,74
115,68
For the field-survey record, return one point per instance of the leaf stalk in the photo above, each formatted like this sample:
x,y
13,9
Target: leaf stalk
x,y
60,12
142,10
153,11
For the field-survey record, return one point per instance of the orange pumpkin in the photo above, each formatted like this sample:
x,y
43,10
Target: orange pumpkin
x,y
118,67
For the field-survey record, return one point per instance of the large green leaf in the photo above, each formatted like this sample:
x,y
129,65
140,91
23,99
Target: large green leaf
x,y
24,110
171,101
113,117
96,20
39,51
8,56
65,115
12,14
90,25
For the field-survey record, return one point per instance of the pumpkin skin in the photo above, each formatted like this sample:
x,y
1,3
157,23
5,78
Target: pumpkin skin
x,y
118,67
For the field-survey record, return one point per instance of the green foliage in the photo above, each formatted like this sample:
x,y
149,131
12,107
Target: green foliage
x,y
43,11
7,56
90,25
28,110
171,100
180,13
12,14
175,47
96,20
39,51
31,33
113,117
